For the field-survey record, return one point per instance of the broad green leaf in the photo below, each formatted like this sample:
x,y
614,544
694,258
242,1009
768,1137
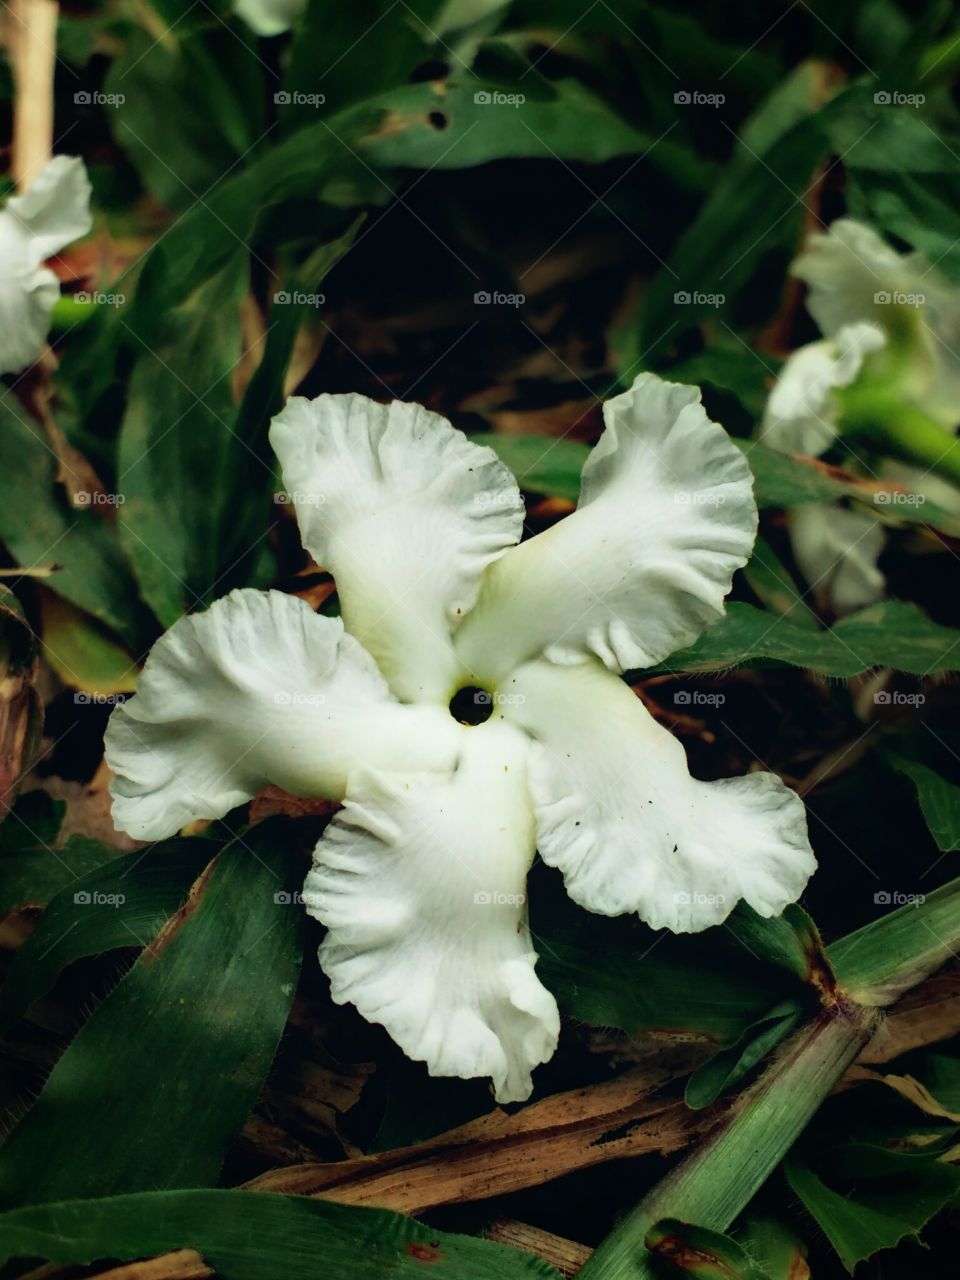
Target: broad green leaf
x,y
939,798
32,871
82,653
40,527
122,903
707,984
178,453
541,465
791,941
782,480
367,49
164,1072
877,1212
888,634
253,459
191,108
882,959
684,1249
755,206
772,582
775,1246
903,176
728,1067
249,1235
451,124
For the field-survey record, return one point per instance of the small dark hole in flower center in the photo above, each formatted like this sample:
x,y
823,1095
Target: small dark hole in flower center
x,y
471,705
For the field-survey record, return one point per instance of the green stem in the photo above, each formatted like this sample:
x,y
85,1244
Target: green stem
x,y
900,430
713,1185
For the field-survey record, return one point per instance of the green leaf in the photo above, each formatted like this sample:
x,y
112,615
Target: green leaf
x,y
118,904
684,1249
728,1067
776,1248
706,985
177,450
163,1074
939,799
248,1235
82,653
781,480
541,465
878,1212
191,108
903,177
372,50
879,961
770,580
32,871
790,941
40,527
888,634
755,206
452,125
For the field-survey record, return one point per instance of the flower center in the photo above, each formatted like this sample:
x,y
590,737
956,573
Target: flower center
x,y
471,705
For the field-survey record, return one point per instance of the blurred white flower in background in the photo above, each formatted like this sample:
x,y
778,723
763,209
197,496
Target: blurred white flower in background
x,y
52,213
892,326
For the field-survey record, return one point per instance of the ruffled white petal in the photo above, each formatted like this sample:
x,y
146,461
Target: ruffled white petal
x,y
801,411
421,882
258,689
33,226
406,513
269,17
666,516
619,814
845,268
854,276
836,550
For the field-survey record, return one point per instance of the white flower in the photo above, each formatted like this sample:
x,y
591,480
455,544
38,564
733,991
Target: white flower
x,y
421,877
269,17
887,315
802,409
34,226
854,276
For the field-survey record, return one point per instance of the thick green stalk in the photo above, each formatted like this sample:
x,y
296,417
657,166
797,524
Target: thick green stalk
x,y
899,429
719,1178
